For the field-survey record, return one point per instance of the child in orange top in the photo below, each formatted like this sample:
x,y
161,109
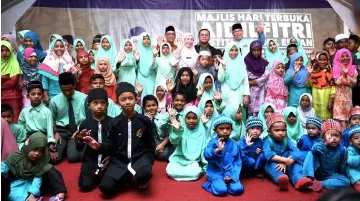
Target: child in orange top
x,y
103,67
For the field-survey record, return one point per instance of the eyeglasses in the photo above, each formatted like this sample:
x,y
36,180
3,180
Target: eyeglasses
x,y
237,30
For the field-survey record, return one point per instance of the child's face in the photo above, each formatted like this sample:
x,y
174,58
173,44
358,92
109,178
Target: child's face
x,y
299,61
165,50
59,48
355,140
97,83
209,109
32,60
223,130
233,52
343,43
329,45
353,46
8,116
291,119
238,115
103,66
333,138
191,120
179,102
305,102
83,60
36,154
355,120
278,131
79,46
151,107
323,61
256,52
208,83
204,61
21,40
91,57
98,106
128,47
272,46
67,90
146,41
312,130
255,132
5,53
185,78
280,69
160,93
268,112
95,46
215,57
293,41
291,51
345,58
67,46
29,43
35,96
127,101
105,44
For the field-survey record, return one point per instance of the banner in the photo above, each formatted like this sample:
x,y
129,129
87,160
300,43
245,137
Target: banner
x,y
310,20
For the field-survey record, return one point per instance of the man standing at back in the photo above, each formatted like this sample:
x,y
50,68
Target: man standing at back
x,y
203,45
244,43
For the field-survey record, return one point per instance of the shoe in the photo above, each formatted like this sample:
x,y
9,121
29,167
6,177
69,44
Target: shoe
x,y
317,186
283,182
303,184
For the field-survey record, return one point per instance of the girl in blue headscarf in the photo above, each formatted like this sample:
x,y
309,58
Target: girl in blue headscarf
x,y
31,39
295,78
107,49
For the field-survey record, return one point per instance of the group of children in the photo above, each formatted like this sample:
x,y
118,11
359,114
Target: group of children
x,y
227,116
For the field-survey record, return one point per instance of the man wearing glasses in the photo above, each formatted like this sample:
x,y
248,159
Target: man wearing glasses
x,y
244,43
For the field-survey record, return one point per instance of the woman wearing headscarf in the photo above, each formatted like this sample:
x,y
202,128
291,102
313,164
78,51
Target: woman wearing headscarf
x,y
107,49
273,53
21,35
188,55
296,40
295,79
305,109
30,71
53,37
184,84
103,67
79,44
12,39
57,61
10,75
127,63
85,72
31,39
164,70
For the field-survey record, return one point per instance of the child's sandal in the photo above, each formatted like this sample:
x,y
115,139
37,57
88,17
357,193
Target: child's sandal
x,y
283,182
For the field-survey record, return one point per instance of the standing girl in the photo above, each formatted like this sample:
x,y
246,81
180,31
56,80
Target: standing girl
x,y
84,72
57,61
92,54
107,49
344,74
277,91
30,72
295,78
256,67
321,80
21,35
31,39
296,40
233,77
164,69
146,74
273,54
305,109
10,75
127,64
103,67
79,45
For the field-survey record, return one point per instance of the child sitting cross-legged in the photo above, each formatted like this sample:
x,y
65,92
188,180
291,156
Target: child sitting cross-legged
x,y
224,160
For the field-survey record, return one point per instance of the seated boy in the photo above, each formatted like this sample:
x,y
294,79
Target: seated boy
x,y
131,143
353,157
353,121
8,114
224,160
251,146
96,126
326,161
283,159
306,142
65,109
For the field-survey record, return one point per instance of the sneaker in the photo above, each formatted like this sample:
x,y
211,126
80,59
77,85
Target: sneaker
x,y
303,184
283,182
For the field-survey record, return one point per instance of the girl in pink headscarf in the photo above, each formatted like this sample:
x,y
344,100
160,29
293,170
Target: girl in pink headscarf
x,y
277,91
344,74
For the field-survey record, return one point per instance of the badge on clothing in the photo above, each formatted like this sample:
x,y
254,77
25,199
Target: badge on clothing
x,y
139,133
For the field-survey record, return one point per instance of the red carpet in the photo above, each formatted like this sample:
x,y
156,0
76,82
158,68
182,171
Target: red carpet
x,y
162,188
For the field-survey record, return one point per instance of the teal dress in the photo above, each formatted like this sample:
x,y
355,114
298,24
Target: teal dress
x,y
146,72
110,53
164,70
126,71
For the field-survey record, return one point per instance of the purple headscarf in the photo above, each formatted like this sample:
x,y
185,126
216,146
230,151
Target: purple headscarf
x,y
255,65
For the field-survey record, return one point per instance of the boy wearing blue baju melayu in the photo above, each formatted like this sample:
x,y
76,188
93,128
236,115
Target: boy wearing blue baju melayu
x,y
224,161
306,142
